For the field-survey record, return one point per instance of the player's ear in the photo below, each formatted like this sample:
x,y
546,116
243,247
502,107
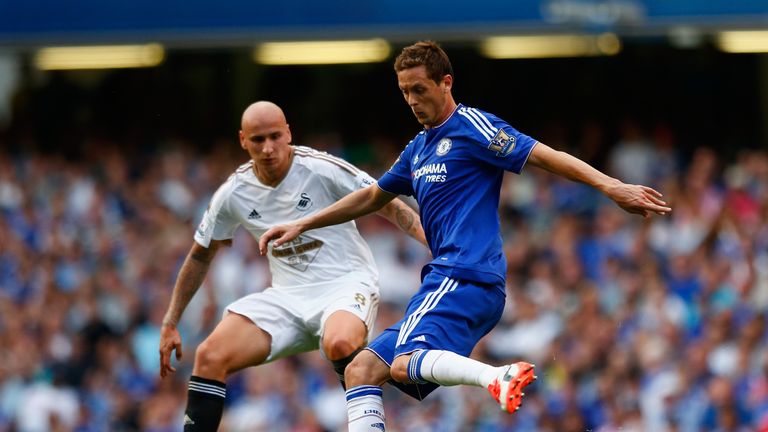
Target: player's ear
x,y
288,131
447,83
241,135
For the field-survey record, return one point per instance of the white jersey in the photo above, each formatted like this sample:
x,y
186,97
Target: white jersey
x,y
314,181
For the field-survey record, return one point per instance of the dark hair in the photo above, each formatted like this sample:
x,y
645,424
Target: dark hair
x,y
425,53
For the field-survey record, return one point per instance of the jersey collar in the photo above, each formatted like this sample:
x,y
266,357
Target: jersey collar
x,y
446,120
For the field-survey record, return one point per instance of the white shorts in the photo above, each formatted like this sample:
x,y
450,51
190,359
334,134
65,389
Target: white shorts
x,y
295,316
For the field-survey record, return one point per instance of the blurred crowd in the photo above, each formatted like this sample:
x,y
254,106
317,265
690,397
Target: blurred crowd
x,y
634,324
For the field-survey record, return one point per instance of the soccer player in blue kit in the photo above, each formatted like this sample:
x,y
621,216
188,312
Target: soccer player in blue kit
x,y
454,169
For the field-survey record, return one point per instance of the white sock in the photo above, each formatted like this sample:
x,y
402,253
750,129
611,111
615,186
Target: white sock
x,y
365,409
448,369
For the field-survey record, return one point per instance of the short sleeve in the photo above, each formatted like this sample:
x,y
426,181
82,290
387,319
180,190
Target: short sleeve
x,y
397,180
217,222
341,177
348,182
502,145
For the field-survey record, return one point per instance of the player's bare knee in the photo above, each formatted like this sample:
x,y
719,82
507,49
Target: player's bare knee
x,y
366,369
209,360
336,347
356,372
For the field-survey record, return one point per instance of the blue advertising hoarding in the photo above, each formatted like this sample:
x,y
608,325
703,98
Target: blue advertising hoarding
x,y
60,21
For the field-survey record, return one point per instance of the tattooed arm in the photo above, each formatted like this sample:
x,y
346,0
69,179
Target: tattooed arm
x,y
405,218
191,276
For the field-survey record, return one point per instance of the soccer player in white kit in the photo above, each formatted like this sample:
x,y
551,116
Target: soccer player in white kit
x,y
324,290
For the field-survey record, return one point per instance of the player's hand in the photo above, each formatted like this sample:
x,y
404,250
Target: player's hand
x,y
639,199
280,234
170,340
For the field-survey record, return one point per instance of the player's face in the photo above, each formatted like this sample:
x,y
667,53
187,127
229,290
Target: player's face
x,y
267,141
428,100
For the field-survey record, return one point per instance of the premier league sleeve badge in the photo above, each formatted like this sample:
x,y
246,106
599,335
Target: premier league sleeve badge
x,y
502,143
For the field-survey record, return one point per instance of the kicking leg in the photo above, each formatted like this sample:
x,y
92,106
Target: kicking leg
x,y
443,323
234,344
505,383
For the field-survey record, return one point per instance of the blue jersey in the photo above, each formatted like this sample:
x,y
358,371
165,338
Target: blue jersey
x,y
454,171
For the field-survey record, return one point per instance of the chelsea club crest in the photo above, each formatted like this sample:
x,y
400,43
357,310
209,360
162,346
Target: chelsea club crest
x,y
443,146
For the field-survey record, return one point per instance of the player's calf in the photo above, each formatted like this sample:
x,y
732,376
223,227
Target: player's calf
x,y
400,367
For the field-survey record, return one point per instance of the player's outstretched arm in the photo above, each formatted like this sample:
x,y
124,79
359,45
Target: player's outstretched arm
x,y
358,203
405,218
637,199
191,276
